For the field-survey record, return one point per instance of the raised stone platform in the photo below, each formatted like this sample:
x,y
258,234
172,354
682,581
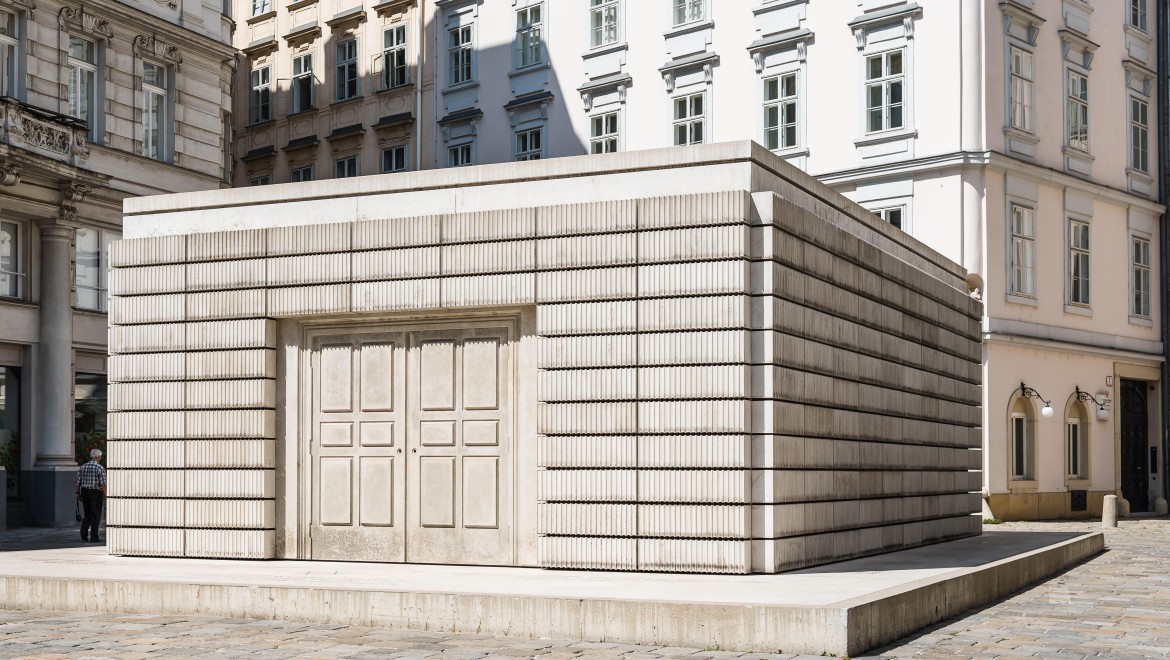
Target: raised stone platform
x,y
844,608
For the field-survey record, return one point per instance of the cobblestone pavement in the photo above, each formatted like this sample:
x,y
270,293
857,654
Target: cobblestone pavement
x,y
1117,605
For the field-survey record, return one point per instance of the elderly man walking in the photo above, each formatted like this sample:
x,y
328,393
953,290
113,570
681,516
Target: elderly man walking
x,y
91,490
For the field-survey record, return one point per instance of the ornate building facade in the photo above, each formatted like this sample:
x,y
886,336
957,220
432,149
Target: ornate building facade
x,y
100,102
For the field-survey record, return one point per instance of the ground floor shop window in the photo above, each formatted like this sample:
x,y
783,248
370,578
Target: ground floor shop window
x,y
89,414
10,428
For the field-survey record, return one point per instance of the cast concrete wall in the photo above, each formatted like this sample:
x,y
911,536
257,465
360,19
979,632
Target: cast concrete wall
x,y
729,381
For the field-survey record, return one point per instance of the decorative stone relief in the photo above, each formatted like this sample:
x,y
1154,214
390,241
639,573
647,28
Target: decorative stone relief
x,y
79,18
151,45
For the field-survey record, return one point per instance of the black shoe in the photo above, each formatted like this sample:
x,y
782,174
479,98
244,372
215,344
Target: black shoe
x,y
85,538
97,540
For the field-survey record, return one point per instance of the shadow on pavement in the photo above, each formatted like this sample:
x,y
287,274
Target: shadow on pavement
x,y
45,538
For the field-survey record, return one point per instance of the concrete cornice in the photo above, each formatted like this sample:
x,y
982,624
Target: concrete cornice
x,y
1070,340
186,40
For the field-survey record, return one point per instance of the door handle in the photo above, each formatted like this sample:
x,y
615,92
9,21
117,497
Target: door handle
x,y
400,450
414,451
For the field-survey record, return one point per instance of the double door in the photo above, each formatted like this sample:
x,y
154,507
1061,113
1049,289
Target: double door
x,y
411,446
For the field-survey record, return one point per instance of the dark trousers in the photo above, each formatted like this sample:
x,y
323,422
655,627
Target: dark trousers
x,y
92,500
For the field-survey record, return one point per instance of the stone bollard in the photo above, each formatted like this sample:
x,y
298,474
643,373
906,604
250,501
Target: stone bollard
x,y
1160,506
1122,507
1109,511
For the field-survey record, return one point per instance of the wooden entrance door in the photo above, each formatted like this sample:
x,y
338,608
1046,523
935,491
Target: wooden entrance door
x,y
1135,423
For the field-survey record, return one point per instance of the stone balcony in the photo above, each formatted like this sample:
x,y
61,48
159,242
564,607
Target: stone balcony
x,y
44,132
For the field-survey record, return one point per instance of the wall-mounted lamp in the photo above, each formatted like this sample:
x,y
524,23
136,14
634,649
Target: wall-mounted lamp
x,y
1102,413
1029,392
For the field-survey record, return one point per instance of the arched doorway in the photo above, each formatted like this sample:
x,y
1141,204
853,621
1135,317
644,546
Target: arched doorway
x,y
1135,480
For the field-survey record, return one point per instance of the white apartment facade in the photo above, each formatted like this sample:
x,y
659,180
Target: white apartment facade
x,y
101,102
1017,137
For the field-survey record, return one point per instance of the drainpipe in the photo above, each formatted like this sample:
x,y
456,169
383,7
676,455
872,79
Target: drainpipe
x,y
418,83
1163,27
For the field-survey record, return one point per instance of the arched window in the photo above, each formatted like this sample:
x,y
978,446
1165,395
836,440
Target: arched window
x,y
1022,440
1076,440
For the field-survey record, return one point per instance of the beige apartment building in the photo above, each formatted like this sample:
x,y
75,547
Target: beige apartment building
x,y
101,101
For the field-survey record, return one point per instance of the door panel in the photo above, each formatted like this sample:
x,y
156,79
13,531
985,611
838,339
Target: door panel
x,y
1135,423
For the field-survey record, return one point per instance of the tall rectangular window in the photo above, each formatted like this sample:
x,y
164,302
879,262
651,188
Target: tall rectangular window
x,y
529,48
1077,112
83,82
347,69
459,155
1137,14
345,167
780,111
11,275
261,7
9,39
92,264
1019,446
688,119
394,159
603,22
302,83
528,144
302,173
1075,460
603,133
10,427
1139,135
688,11
262,180
1078,262
1023,254
459,53
394,57
155,108
261,99
1021,90
885,80
1140,258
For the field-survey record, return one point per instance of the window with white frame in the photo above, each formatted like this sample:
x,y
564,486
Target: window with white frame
x,y
529,33
780,99
459,55
885,81
1021,92
1140,283
345,167
302,83
528,144
347,69
459,155
83,82
1023,251
603,133
1076,451
260,102
261,7
11,260
155,111
9,39
92,265
603,23
302,173
689,116
394,158
1021,465
1137,14
1077,111
394,57
262,180
1139,135
1078,262
688,11
893,215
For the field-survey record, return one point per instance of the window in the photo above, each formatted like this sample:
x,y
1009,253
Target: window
x,y
93,261
345,167
1023,251
302,83
10,427
1077,116
1137,14
1140,261
394,57
347,71
1078,262
884,81
89,413
261,102
9,71
1075,451
261,7
689,11
603,133
459,155
528,144
262,180
603,22
1139,135
11,277
688,119
529,50
394,159
83,82
1020,464
780,111
894,215
1021,90
155,108
459,53
302,173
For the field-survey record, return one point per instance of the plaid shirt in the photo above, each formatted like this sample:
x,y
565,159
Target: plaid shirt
x,y
91,475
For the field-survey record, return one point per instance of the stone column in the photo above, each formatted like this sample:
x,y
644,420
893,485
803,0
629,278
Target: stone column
x,y
55,469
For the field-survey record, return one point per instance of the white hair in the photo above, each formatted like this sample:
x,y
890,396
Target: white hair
x,y
95,453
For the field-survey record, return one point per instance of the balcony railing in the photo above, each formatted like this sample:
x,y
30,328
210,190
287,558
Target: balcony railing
x,y
52,134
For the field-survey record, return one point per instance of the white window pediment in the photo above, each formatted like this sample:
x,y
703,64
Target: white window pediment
x,y
893,23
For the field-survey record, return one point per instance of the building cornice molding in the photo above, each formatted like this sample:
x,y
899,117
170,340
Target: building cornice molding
x,y
80,19
1069,340
154,47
